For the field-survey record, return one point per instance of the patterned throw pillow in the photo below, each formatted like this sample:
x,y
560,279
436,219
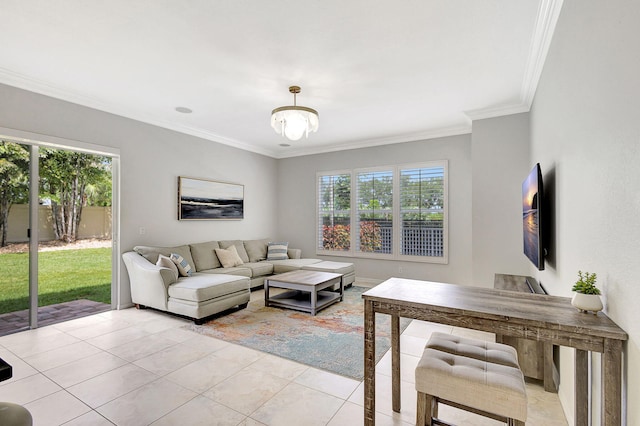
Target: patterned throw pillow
x,y
165,262
183,265
277,251
229,257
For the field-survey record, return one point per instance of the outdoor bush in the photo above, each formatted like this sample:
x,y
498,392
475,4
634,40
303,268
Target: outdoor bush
x,y
336,237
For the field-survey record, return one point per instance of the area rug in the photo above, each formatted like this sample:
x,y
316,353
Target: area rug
x,y
333,340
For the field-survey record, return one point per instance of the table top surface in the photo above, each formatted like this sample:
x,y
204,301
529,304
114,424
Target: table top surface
x,y
303,277
551,312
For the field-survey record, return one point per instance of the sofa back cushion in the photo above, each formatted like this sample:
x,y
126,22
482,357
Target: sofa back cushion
x,y
229,257
204,255
239,248
256,249
151,253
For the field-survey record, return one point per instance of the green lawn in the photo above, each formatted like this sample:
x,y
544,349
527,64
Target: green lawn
x,y
65,275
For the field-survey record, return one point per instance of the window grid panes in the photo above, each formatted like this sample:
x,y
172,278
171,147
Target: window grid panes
x,y
334,212
422,211
374,212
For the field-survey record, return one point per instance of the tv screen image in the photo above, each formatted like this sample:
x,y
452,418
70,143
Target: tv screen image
x,y
531,217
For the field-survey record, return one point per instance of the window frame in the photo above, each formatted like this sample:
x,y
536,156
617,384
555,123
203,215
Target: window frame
x,y
396,213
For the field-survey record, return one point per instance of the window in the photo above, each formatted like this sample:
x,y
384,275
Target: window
x,y
399,212
374,221
334,212
422,198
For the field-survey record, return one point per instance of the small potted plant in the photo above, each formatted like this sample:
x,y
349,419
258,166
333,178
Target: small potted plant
x,y
587,296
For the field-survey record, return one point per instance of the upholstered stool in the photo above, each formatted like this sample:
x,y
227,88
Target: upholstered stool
x,y
14,415
485,388
496,353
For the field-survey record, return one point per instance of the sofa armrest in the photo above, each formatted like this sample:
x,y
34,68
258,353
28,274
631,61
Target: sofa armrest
x,y
294,253
149,282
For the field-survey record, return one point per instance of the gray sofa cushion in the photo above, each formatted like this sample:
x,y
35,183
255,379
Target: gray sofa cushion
x,y
151,253
259,268
236,270
201,287
204,255
239,247
256,249
281,266
334,267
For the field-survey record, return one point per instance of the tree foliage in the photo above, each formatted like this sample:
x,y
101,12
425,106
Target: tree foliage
x,y
14,176
72,180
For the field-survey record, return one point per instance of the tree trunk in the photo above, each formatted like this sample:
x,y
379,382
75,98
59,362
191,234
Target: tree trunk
x,y
5,207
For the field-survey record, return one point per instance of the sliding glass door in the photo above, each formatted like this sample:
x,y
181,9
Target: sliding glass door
x,y
14,241
56,222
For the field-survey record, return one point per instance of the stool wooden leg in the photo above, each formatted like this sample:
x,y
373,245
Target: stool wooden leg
x,y
432,407
514,422
421,410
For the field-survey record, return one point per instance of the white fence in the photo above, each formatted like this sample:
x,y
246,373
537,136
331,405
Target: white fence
x,y
95,223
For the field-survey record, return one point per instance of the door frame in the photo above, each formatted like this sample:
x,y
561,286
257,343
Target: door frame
x,y
35,141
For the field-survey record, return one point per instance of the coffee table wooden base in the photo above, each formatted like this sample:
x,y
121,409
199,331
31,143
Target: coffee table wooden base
x,y
306,290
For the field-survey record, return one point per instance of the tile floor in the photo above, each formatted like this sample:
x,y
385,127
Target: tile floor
x,y
138,368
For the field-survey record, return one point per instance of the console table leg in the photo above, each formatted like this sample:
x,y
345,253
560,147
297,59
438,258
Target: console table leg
x,y
548,367
369,364
611,383
395,362
581,402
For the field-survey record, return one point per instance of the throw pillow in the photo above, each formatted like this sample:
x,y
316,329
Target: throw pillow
x,y
277,251
183,266
165,262
229,257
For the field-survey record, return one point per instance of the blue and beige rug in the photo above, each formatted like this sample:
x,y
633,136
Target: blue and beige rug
x,y
333,340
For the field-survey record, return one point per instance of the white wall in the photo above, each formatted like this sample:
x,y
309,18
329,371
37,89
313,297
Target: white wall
x,y
297,198
585,130
152,158
500,153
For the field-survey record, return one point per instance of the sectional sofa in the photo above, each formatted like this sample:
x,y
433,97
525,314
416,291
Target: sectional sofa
x,y
200,285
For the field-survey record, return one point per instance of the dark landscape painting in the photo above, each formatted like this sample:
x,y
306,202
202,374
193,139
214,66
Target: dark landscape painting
x,y
206,199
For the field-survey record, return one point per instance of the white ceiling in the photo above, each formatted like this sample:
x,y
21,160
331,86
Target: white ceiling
x,y
377,71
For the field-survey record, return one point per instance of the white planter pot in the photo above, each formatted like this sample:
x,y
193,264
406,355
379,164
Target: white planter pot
x,y
587,302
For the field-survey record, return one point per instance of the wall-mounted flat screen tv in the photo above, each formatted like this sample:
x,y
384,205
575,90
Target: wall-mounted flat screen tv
x,y
532,222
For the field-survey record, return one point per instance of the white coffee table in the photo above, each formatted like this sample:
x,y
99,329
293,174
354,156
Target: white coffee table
x,y
306,290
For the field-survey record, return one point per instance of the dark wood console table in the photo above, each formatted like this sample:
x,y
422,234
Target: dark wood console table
x,y
537,317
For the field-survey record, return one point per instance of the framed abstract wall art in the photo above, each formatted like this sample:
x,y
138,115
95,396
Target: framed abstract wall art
x,y
201,199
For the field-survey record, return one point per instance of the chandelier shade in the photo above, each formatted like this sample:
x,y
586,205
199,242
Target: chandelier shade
x,y
294,121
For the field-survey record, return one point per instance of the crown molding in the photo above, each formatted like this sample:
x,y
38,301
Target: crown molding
x,y
368,143
548,14
545,25
41,87
496,111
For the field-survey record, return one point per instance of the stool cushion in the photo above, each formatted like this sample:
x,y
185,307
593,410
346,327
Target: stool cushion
x,y
14,415
494,388
496,353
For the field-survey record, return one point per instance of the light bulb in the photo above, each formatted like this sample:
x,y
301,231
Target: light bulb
x,y
295,125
